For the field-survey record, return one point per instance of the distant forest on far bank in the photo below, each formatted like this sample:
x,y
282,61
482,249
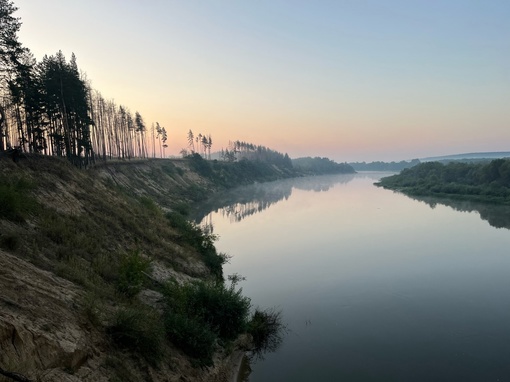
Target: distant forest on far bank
x,y
485,181
384,166
317,165
399,166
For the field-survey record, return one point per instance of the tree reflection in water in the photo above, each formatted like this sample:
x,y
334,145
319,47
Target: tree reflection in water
x,y
497,216
241,202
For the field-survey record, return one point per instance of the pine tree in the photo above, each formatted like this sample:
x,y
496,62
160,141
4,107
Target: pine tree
x,y
11,52
191,143
65,100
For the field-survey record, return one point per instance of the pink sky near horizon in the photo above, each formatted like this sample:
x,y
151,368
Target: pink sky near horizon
x,y
350,80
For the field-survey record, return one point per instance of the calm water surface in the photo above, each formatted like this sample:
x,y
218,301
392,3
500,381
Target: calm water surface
x,y
374,285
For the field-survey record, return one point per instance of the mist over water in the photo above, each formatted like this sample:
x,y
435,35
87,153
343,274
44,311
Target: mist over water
x,y
374,286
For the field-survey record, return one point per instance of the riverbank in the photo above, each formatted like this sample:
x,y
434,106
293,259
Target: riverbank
x,y
477,182
103,237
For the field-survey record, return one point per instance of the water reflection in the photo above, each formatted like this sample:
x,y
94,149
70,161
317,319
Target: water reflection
x,y
241,202
396,291
497,216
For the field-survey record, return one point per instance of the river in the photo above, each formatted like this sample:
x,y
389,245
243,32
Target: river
x,y
373,285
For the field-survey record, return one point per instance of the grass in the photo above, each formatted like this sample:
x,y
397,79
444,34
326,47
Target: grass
x,y
16,201
191,336
10,241
139,328
149,205
132,274
191,235
181,208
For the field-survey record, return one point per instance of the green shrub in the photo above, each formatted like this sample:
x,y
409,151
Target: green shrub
x,y
132,274
11,203
140,329
200,312
214,261
191,336
10,242
56,228
15,201
107,266
200,165
203,242
180,171
267,330
196,192
224,310
180,223
182,208
150,205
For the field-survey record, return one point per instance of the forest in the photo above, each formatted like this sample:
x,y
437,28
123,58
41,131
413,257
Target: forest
x,y
237,150
319,165
384,166
48,107
487,181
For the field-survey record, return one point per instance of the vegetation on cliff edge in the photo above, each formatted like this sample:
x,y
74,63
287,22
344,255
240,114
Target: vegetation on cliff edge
x,y
115,244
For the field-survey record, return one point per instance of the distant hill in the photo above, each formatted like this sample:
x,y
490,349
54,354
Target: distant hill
x,y
485,155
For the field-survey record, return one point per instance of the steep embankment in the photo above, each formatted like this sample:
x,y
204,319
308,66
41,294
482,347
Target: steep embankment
x,y
83,258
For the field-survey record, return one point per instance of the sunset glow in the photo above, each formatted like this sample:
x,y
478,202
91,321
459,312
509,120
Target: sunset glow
x,y
349,80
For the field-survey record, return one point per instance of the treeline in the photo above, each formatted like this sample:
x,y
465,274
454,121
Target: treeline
x,y
474,181
198,144
117,133
384,166
48,107
319,165
237,150
237,173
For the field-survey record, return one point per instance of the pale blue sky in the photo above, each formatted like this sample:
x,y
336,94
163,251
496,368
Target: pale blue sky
x,y
352,80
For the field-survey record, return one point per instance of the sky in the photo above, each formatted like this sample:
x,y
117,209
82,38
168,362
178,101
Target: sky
x,y
352,80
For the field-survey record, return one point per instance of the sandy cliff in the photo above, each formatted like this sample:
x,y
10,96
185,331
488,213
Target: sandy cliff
x,y
56,248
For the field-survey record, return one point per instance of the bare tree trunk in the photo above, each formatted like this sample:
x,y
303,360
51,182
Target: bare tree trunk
x,y
2,128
